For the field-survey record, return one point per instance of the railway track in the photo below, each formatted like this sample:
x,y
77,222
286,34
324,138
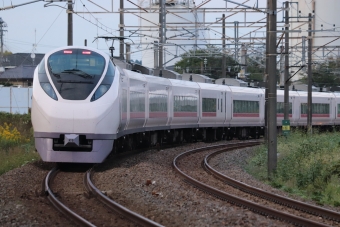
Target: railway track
x,y
306,215
85,211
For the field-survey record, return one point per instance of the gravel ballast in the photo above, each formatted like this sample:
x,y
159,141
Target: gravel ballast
x,y
145,183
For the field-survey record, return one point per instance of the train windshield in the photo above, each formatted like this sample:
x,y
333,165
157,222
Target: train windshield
x,y
75,72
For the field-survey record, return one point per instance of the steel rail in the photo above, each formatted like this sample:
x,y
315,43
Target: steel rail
x,y
59,205
236,200
137,218
325,213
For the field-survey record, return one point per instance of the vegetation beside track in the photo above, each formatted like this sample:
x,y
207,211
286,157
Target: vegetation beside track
x,y
16,141
307,166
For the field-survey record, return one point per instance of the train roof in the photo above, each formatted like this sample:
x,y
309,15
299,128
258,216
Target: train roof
x,y
159,80
216,87
318,94
235,89
183,83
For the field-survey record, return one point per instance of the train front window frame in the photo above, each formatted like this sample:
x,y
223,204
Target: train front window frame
x,y
75,72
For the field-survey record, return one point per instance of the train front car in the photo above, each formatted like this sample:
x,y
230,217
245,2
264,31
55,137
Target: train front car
x,y
75,105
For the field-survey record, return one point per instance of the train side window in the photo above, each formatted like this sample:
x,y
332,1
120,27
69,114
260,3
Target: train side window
x,y
208,105
185,104
280,107
158,103
317,108
137,101
243,106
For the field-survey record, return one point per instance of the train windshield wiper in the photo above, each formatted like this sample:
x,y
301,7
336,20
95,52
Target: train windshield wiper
x,y
74,81
78,72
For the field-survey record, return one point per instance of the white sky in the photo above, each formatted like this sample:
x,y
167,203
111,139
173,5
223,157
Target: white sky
x,y
47,26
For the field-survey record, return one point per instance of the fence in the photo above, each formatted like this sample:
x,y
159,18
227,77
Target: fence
x,y
15,100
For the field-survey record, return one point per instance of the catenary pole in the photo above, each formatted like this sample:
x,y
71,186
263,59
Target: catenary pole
x,y
121,30
309,98
286,69
70,23
223,48
267,84
162,21
272,80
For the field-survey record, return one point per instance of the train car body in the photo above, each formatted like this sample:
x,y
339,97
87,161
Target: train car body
x,y
70,123
84,106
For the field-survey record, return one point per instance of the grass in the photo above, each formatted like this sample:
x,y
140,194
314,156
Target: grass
x,y
307,165
16,141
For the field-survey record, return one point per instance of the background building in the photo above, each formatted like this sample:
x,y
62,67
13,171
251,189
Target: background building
x,y
184,30
325,32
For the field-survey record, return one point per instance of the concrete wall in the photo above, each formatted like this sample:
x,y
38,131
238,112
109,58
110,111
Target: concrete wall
x,y
15,100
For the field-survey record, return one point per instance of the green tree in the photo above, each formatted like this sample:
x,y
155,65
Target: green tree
x,y
256,69
193,61
6,53
327,73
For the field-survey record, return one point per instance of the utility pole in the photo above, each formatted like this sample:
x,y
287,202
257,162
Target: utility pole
x,y
309,98
266,83
162,32
69,23
121,30
224,62
286,68
303,57
272,80
2,25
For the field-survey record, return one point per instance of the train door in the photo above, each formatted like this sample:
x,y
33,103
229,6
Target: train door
x,y
337,108
123,100
136,102
158,99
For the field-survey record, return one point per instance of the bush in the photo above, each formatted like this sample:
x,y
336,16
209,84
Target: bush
x,y
16,141
307,165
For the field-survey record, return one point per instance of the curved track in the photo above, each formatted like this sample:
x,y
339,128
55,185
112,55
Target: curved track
x,y
139,219
76,218
239,201
318,211
59,205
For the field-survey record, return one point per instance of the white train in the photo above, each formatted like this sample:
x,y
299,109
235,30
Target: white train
x,y
84,106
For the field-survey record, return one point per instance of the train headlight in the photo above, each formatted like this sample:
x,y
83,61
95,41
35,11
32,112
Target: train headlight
x,y
49,90
101,90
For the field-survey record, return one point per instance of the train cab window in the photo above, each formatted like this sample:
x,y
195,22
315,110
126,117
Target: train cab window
x,y
75,72
185,104
208,105
242,106
280,108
